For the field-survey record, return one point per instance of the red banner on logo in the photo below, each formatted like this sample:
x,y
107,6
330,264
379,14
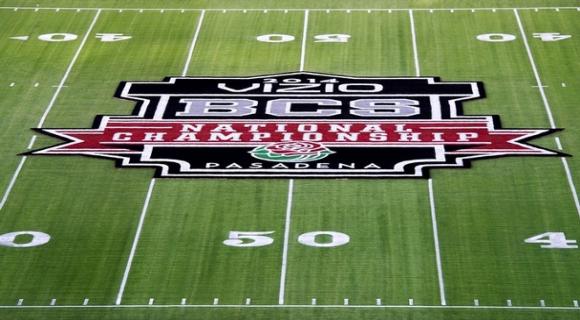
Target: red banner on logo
x,y
473,136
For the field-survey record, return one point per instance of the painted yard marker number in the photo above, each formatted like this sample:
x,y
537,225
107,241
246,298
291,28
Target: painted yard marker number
x,y
552,240
332,37
505,37
65,37
112,37
319,239
316,239
551,36
248,239
496,37
36,238
274,38
58,37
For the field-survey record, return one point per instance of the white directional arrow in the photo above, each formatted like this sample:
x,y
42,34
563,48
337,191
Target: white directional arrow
x,y
22,38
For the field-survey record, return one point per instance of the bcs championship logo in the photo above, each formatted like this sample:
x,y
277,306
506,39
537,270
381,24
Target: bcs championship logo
x,y
299,124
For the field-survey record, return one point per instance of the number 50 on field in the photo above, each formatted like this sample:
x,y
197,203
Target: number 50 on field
x,y
320,239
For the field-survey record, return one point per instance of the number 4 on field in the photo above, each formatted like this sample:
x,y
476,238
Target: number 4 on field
x,y
551,36
112,37
553,240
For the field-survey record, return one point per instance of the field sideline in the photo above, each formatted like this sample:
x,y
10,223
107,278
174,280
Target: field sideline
x,y
126,245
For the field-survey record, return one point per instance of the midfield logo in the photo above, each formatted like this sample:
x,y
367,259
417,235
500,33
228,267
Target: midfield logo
x,y
299,124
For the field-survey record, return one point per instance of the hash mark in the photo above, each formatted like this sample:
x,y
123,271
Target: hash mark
x,y
20,301
313,302
542,303
575,302
183,301
53,302
248,301
411,302
379,302
86,301
345,301
476,302
151,301
509,302
216,301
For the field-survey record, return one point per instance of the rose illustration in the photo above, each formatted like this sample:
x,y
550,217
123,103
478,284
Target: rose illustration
x,y
291,151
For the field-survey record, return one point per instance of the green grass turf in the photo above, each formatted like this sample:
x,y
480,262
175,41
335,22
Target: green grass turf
x,y
299,313
493,263
300,4
91,209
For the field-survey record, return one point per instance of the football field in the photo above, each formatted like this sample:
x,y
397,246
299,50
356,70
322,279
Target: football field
x,y
84,238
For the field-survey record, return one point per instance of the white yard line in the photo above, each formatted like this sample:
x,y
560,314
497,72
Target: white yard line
x,y
284,266
548,109
135,243
414,38
286,9
430,182
436,243
535,71
304,37
68,70
286,240
287,306
31,143
47,109
12,181
152,182
193,43
571,184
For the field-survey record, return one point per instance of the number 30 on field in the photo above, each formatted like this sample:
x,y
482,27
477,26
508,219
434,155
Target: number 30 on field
x,y
311,239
